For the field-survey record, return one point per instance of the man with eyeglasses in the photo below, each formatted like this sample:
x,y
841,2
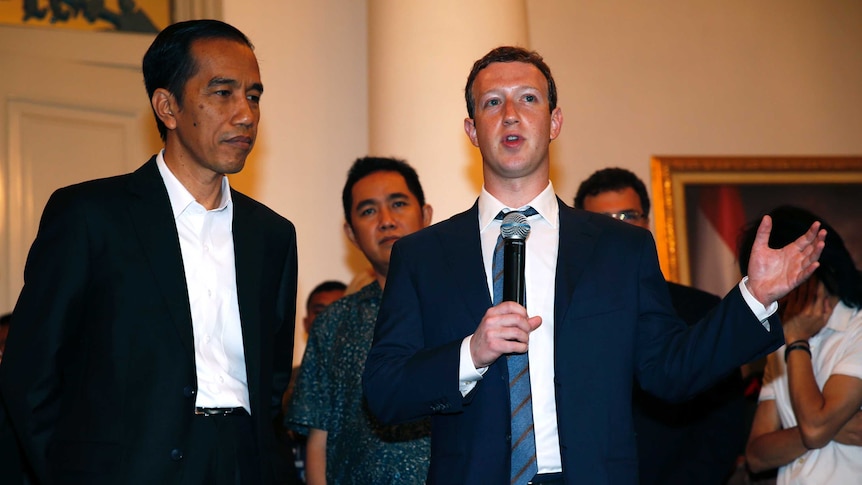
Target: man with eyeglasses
x,y
693,442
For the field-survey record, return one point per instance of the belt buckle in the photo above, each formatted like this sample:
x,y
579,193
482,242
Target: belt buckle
x,y
200,411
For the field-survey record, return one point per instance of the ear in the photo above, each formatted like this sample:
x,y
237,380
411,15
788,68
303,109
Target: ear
x,y
348,231
470,129
556,122
427,212
165,105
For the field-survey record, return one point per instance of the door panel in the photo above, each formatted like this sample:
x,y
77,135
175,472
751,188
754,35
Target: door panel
x,y
73,108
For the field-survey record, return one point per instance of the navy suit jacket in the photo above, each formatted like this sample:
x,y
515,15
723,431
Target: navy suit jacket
x,y
99,374
614,323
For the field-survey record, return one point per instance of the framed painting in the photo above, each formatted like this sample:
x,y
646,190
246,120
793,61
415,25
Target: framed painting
x,y
145,16
702,203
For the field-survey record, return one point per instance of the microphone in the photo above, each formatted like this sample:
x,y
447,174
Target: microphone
x,y
514,230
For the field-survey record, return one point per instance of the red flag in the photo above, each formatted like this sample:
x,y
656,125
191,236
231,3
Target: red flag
x,y
721,217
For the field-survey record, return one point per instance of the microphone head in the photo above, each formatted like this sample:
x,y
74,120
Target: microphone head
x,y
515,226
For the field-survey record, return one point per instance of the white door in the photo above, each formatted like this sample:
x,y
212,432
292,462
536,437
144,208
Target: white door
x,y
72,108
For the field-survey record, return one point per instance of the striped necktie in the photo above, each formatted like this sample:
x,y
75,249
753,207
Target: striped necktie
x,y
523,456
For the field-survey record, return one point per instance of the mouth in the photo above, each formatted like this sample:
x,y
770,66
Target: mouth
x,y
244,142
512,141
389,240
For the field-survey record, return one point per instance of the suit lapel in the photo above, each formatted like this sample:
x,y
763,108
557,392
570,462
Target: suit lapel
x,y
152,218
249,254
462,249
578,238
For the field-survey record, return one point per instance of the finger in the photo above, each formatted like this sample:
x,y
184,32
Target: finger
x,y
534,322
761,238
507,307
811,243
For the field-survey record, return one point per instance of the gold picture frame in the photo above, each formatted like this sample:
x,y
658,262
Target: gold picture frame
x,y
805,181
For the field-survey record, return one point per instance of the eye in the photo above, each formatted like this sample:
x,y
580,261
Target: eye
x,y
223,92
530,98
492,102
399,203
254,98
366,212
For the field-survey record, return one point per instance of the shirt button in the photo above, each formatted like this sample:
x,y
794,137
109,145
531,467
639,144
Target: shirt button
x,y
176,454
221,379
188,391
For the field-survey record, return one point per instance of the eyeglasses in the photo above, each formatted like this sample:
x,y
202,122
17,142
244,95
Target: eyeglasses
x,y
626,216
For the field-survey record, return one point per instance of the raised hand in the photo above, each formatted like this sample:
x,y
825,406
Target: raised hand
x,y
772,273
505,329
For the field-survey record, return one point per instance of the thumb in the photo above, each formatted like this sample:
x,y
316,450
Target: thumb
x,y
761,239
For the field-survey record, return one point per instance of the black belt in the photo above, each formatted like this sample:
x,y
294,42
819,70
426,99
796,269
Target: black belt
x,y
547,479
240,411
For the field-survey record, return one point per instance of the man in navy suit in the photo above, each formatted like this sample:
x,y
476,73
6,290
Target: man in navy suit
x,y
598,313
153,336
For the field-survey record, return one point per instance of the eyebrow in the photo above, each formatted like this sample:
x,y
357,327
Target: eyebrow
x,y
217,81
389,198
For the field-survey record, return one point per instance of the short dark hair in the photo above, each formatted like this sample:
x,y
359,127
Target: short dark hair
x,y
837,271
509,54
326,286
365,166
169,64
612,179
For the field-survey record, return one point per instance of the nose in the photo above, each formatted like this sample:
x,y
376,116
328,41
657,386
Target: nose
x,y
387,221
510,114
246,113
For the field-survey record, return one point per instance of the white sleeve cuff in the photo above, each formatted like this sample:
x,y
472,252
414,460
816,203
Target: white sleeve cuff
x,y
468,375
761,312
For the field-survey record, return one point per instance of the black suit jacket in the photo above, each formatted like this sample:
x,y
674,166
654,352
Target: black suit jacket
x,y
99,374
614,323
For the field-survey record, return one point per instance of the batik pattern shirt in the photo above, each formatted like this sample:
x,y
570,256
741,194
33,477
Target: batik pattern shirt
x,y
328,396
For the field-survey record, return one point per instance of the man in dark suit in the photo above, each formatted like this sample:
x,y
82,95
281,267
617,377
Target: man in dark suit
x,y
599,313
154,331
696,442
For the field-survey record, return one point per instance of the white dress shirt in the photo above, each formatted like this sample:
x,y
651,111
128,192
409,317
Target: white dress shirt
x,y
206,243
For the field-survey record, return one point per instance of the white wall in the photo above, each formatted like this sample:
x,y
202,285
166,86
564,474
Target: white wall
x,y
313,62
698,77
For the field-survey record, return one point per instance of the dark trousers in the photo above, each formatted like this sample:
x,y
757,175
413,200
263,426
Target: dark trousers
x,y
222,451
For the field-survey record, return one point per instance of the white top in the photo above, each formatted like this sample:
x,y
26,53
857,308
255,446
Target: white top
x,y
206,243
836,349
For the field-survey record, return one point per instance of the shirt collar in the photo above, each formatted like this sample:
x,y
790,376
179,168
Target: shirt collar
x,y
179,196
545,204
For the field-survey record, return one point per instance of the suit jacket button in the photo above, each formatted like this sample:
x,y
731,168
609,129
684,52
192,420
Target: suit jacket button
x,y
188,391
176,454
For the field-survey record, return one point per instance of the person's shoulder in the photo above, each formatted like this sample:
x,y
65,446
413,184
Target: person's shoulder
x,y
607,228
274,220
454,226
102,193
328,321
